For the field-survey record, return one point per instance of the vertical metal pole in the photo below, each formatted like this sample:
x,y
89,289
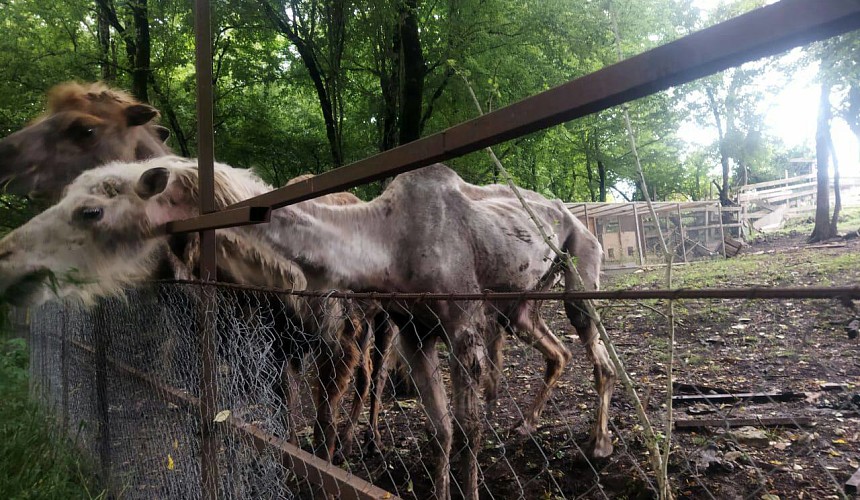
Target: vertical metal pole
x,y
681,232
64,372
638,235
101,337
206,158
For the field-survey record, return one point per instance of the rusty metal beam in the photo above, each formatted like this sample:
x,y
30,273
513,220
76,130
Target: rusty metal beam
x,y
762,32
317,471
232,217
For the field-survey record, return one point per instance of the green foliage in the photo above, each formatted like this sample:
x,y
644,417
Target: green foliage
x,y
35,462
268,114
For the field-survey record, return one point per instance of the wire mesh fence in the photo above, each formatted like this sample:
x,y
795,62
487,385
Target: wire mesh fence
x,y
296,376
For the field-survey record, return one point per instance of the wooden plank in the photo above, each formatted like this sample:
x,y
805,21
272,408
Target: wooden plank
x,y
755,397
700,423
778,182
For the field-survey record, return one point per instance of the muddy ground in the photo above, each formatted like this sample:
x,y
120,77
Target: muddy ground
x,y
720,346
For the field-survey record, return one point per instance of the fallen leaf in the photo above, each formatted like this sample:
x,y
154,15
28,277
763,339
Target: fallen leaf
x,y
222,416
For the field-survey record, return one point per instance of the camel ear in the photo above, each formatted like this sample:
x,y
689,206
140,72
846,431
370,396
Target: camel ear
x,y
163,132
139,114
152,182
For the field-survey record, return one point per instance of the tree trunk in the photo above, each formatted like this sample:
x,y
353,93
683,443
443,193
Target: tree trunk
x,y
724,155
389,83
588,174
601,179
837,189
143,50
413,70
305,48
103,35
823,229
852,115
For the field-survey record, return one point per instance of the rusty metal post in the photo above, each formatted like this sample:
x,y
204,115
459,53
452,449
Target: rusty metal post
x,y
101,338
64,372
206,321
639,244
681,232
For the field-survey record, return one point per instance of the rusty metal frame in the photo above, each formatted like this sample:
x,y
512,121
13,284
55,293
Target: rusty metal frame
x,y
306,465
762,32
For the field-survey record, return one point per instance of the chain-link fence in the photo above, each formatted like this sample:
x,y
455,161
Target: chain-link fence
x,y
124,381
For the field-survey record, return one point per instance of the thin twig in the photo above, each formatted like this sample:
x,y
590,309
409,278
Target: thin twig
x,y
663,471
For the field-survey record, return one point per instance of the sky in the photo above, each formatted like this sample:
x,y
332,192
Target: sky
x,y
791,115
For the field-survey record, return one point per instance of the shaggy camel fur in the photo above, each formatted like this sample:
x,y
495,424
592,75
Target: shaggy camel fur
x,y
428,232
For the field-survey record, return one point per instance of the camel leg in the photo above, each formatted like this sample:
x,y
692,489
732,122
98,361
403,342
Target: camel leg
x,y
362,387
287,392
466,367
335,364
427,375
495,340
533,329
604,376
386,330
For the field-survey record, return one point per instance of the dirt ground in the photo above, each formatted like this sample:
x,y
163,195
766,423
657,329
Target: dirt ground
x,y
720,346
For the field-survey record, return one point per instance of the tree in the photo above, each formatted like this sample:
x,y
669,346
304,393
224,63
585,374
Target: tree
x,y
824,228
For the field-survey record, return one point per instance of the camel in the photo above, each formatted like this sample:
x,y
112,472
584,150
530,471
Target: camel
x,y
429,231
85,126
88,125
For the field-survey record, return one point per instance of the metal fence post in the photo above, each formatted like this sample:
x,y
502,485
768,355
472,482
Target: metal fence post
x,y
101,338
206,186
64,371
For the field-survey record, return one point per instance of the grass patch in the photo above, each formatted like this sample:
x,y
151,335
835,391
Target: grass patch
x,y
35,462
801,267
849,220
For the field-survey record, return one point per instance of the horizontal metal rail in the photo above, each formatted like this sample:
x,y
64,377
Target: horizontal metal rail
x,y
230,217
762,32
849,293
317,471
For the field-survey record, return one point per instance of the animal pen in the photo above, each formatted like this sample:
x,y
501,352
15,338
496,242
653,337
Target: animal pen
x,y
630,237
173,391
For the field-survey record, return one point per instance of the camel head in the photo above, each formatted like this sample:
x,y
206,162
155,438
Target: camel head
x,y
107,230
85,126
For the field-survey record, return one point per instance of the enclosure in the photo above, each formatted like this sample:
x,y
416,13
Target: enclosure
x,y
175,391
630,237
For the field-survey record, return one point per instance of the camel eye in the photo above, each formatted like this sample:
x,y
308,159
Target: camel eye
x,y
90,214
80,132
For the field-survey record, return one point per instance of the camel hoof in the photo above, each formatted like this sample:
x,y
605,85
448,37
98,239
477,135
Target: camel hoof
x,y
523,428
601,447
339,458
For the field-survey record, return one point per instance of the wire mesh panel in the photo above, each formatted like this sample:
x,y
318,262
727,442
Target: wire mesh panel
x,y
297,376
